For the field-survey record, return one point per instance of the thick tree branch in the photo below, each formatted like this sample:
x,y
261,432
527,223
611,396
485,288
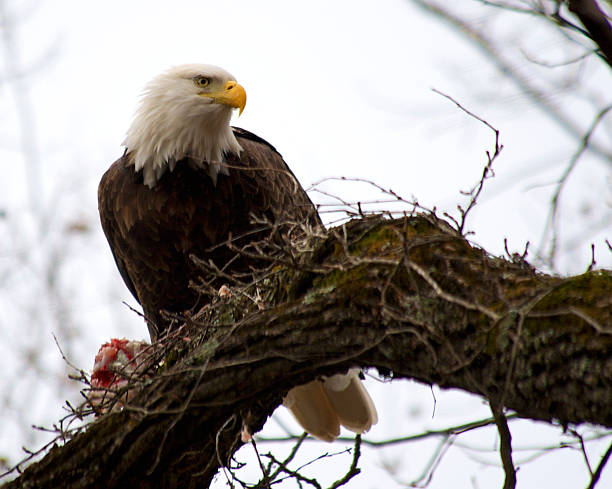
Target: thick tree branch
x,y
410,297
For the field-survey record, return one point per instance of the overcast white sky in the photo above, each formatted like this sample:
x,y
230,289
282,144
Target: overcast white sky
x,y
340,88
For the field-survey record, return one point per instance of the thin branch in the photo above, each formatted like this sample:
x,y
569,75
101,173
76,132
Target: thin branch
x,y
505,445
487,172
593,262
290,457
266,479
68,362
602,463
430,468
553,217
453,430
353,469
585,456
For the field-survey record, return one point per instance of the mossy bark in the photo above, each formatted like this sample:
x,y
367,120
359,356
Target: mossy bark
x,y
410,297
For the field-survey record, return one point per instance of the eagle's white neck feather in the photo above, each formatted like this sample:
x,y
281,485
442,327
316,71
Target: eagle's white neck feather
x,y
173,122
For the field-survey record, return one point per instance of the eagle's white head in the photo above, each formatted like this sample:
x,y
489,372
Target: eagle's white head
x,y
185,112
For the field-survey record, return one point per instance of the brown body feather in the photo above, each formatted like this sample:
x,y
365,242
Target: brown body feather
x,y
153,231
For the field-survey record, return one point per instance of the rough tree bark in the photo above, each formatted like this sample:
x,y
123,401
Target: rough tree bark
x,y
409,297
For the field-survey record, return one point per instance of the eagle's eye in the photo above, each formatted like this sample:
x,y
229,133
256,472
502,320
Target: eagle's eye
x,y
202,81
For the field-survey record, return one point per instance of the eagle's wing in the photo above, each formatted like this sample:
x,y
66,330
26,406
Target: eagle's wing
x,y
154,232
149,233
108,192
276,185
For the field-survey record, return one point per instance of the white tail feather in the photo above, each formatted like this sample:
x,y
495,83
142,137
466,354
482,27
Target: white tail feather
x,y
322,406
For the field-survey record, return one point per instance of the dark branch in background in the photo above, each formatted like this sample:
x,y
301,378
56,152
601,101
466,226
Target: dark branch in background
x,y
500,53
505,445
492,50
596,23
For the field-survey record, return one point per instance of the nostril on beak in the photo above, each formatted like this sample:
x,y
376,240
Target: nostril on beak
x,y
230,85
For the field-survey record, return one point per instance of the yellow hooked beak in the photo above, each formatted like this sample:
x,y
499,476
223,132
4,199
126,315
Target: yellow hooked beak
x,y
233,95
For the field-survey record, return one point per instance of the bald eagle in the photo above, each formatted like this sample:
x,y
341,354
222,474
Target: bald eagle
x,y
186,184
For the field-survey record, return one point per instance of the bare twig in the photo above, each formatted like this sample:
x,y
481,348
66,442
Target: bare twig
x,y
264,472
580,439
487,172
593,262
353,469
602,463
68,362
